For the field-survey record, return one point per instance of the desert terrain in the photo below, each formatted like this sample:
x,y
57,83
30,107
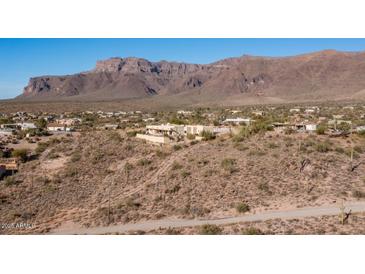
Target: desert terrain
x,y
96,177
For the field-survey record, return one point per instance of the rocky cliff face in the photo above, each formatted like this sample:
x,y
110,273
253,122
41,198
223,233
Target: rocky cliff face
x,y
322,74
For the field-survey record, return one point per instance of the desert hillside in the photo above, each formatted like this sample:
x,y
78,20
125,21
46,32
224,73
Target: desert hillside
x,y
325,75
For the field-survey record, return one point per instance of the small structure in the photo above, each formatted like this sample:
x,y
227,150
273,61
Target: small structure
x,y
6,132
360,129
294,110
10,164
109,127
258,113
26,125
165,130
154,139
237,121
54,127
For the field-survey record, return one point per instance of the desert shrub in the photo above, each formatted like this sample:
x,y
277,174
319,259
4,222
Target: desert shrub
x,y
176,166
131,203
185,174
323,147
289,131
173,190
53,154
229,164
22,154
208,229
251,231
321,129
76,157
71,171
240,147
128,167
11,181
358,149
144,162
264,187
340,150
194,142
207,135
272,145
161,154
97,156
177,147
358,194
115,136
257,127
344,127
190,136
242,207
132,133
256,152
176,121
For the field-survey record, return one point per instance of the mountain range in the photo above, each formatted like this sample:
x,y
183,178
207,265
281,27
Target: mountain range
x,y
323,75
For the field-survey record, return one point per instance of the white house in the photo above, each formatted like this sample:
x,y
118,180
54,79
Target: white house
x,y
237,121
58,128
25,126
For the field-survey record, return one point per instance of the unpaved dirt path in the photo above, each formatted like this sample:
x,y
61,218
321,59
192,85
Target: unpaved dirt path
x,y
175,223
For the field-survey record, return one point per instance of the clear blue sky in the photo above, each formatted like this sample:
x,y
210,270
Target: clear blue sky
x,y
21,59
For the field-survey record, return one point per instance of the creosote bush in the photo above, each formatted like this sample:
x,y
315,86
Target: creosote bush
x,y
208,229
229,164
242,208
22,154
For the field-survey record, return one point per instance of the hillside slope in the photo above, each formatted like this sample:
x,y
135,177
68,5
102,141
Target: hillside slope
x,y
320,76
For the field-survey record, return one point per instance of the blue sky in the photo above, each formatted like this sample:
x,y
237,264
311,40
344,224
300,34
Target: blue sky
x,y
21,59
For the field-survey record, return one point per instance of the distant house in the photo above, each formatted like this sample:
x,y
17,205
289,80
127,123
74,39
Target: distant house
x,y
237,121
294,110
258,113
109,127
6,132
197,129
184,112
54,127
25,126
169,132
69,121
150,119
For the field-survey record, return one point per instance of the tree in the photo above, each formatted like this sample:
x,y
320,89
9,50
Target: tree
x,y
41,123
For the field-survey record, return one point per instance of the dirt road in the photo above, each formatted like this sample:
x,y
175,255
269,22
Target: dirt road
x,y
174,223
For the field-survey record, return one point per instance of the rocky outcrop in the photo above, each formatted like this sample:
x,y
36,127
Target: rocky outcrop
x,y
326,74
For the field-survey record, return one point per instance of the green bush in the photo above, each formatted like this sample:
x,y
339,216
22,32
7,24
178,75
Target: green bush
x,y
251,231
22,154
207,135
176,166
144,162
358,194
185,174
177,147
208,229
242,208
321,129
229,165
190,136
76,157
323,147
10,181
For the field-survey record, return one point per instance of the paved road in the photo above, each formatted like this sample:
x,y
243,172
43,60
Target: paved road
x,y
175,223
